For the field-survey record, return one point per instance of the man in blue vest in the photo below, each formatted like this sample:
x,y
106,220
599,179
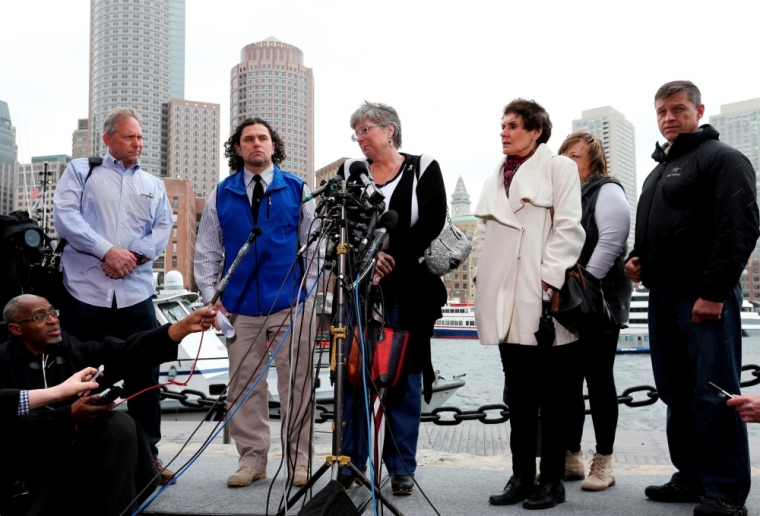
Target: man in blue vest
x,y
266,298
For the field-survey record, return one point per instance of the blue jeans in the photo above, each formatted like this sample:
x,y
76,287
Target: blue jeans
x,y
707,439
403,407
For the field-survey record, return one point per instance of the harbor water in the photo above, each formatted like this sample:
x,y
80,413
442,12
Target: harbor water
x,y
485,379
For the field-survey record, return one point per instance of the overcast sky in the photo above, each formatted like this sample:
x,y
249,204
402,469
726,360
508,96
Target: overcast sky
x,y
447,67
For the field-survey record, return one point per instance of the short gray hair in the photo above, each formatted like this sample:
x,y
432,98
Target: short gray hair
x,y
380,114
12,309
673,87
117,114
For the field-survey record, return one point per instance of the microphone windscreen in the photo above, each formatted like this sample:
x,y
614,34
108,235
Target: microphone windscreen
x,y
388,220
256,231
358,167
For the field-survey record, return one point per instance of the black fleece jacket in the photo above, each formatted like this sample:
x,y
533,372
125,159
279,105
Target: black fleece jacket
x,y
697,220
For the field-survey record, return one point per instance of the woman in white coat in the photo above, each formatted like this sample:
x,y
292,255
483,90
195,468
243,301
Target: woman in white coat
x,y
529,233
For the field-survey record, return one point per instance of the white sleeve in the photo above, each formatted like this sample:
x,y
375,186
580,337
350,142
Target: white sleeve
x,y
613,219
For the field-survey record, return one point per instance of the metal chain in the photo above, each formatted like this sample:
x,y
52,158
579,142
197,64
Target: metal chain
x,y
197,400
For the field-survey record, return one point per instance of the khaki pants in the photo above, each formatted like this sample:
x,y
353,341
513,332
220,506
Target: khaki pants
x,y
249,426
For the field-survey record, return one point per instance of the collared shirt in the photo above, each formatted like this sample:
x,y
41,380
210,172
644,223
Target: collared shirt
x,y
116,207
23,403
209,247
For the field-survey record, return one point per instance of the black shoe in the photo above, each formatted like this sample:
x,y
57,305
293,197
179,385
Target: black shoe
x,y
547,495
518,488
712,506
402,485
673,493
347,481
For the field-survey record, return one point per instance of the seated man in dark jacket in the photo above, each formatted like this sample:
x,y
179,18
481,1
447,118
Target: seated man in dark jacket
x,y
54,453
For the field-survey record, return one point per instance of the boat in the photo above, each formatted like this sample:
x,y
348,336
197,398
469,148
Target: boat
x,y
211,375
458,322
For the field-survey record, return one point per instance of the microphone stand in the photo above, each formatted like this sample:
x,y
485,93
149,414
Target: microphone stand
x,y
336,460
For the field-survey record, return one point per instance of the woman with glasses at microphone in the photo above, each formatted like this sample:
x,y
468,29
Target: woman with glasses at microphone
x,y
413,187
606,220
529,233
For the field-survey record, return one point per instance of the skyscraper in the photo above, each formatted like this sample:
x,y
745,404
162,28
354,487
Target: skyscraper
x,y
8,153
619,139
194,144
739,126
133,45
34,189
271,82
79,143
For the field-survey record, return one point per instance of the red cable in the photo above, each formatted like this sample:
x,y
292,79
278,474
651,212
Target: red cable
x,y
170,382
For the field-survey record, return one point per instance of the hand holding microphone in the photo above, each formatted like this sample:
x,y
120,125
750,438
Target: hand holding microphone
x,y
386,223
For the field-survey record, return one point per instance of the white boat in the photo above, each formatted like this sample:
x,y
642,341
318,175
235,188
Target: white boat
x,y
457,322
635,338
211,375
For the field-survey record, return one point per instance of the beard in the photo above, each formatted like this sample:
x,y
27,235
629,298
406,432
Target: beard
x,y
256,161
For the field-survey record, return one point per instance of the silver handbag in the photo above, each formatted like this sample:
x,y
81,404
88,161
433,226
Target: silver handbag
x,y
448,250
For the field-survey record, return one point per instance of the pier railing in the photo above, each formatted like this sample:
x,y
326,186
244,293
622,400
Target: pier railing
x,y
496,413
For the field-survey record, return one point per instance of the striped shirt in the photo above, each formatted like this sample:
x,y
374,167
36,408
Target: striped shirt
x,y
117,207
209,247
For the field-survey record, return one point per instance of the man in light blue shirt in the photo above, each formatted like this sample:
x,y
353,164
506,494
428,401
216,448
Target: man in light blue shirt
x,y
116,220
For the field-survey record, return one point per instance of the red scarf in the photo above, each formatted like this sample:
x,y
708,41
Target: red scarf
x,y
511,164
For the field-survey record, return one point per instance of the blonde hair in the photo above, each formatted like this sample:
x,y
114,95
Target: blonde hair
x,y
597,162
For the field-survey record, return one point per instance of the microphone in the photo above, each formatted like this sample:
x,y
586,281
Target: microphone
x,y
386,223
360,171
324,187
255,232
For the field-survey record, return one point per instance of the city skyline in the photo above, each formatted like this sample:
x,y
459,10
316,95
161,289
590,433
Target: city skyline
x,y
443,80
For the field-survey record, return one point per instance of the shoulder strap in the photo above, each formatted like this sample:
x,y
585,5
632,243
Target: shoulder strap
x,y
94,161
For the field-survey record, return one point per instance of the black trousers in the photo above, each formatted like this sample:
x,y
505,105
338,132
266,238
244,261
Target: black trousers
x,y
538,382
597,361
94,323
108,468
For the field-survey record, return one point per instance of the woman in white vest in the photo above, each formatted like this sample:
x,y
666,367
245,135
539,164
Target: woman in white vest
x,y
529,233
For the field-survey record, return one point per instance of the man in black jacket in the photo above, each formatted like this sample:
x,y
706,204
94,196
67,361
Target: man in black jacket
x,y
696,225
53,454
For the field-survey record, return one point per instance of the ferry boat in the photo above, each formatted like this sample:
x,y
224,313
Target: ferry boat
x,y
458,322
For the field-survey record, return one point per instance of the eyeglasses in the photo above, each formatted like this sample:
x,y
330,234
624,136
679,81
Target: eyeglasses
x,y
362,132
41,317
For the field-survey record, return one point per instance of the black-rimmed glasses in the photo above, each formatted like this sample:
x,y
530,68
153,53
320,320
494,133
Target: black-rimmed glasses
x,y
41,317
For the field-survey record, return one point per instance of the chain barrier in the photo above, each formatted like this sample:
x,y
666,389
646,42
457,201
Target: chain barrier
x,y
194,399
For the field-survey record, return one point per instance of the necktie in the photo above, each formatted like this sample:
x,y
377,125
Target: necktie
x,y
258,194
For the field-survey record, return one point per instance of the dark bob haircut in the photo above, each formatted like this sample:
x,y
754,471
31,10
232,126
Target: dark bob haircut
x,y
236,162
534,117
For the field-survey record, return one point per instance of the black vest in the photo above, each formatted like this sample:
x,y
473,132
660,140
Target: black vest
x,y
617,288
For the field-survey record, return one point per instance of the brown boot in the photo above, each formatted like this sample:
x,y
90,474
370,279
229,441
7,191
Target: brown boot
x,y
574,469
601,475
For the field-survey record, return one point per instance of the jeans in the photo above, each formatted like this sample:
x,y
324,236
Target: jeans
x,y
403,407
707,439
596,364
94,323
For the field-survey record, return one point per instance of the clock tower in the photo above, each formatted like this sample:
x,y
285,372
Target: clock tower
x,y
460,200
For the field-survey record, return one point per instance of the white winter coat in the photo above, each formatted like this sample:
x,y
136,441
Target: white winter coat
x,y
516,246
